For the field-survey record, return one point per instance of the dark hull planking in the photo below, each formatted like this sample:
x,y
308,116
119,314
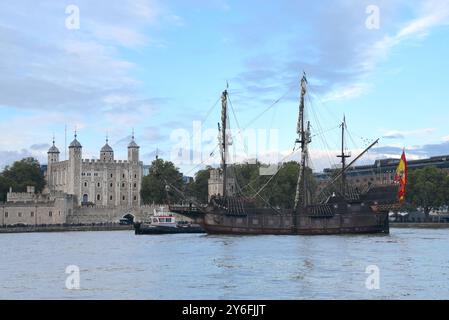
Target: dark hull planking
x,y
283,225
138,229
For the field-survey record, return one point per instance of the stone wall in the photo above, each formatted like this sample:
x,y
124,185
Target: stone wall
x,y
109,214
60,208
52,211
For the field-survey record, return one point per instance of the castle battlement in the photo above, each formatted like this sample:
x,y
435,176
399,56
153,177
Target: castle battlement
x,y
95,161
28,196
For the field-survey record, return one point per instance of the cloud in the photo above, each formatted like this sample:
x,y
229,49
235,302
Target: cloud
x,y
397,134
332,44
40,147
62,69
7,158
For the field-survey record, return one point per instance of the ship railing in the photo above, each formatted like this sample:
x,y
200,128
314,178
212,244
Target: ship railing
x,y
320,210
235,207
184,208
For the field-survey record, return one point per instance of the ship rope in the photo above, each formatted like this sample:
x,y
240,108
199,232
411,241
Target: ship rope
x,y
277,171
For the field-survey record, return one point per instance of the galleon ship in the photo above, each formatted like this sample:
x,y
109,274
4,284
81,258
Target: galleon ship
x,y
345,210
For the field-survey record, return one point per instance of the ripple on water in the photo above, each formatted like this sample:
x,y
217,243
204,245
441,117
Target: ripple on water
x,y
120,265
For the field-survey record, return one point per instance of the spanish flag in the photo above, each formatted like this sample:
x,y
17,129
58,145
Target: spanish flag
x,y
401,177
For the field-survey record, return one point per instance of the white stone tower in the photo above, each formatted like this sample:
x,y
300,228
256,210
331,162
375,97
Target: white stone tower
x,y
107,153
74,169
133,151
53,157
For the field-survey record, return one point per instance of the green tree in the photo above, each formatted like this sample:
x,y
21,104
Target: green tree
x,y
198,189
23,173
154,189
282,189
275,191
427,188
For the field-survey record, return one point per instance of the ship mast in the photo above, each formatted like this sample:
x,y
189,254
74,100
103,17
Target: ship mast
x,y
223,144
343,157
303,140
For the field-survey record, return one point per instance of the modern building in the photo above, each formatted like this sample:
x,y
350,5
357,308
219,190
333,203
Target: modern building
x,y
382,171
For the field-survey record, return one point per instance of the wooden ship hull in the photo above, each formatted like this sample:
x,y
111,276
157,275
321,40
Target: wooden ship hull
x,y
367,214
284,224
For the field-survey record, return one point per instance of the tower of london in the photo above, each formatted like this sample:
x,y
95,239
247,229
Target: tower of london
x,y
100,182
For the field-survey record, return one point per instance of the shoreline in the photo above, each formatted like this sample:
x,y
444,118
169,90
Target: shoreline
x,y
420,225
86,228
68,228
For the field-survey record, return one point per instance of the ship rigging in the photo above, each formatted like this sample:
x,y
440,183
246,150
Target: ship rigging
x,y
235,214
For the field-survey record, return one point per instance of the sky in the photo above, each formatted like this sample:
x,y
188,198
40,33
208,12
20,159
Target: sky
x,y
106,68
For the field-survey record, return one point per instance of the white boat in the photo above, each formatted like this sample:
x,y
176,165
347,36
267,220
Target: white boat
x,y
162,218
163,222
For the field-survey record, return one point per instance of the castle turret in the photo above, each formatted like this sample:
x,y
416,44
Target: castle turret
x,y
133,150
53,154
107,153
74,168
53,157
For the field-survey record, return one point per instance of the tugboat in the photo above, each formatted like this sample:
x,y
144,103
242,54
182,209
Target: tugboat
x,y
344,210
165,223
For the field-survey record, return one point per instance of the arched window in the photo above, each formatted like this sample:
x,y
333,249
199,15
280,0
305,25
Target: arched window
x,y
85,183
85,198
98,197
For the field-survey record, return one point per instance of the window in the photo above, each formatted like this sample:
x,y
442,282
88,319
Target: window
x,y
135,176
123,185
110,197
85,184
20,214
111,175
135,185
6,214
123,176
98,184
123,198
110,185
32,214
98,197
135,198
50,214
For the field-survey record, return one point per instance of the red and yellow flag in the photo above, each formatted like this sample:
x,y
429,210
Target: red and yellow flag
x,y
401,176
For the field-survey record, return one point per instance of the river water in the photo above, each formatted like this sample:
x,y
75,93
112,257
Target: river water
x,y
407,264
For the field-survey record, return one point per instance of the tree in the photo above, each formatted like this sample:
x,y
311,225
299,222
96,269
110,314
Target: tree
x,y
23,173
282,190
428,188
275,191
154,188
198,189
